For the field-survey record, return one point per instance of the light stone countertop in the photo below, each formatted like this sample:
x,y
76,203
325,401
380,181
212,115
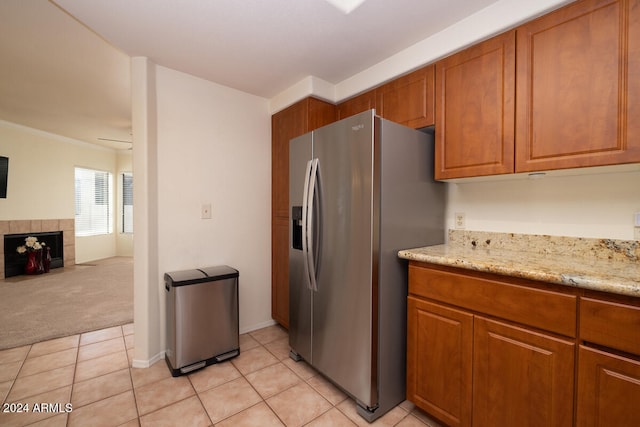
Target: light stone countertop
x,y
599,264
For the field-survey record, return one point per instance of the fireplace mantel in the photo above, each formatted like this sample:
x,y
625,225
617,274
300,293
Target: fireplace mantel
x,y
39,226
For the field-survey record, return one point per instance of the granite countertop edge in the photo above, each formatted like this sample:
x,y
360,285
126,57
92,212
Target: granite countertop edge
x,y
603,275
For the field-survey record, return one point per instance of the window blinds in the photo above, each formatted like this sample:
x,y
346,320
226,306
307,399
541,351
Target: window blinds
x,y
127,202
94,201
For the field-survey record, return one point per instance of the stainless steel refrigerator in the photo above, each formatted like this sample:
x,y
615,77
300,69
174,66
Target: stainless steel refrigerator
x,y
360,190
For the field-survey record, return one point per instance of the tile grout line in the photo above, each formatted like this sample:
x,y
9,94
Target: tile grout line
x,y
199,400
73,380
303,380
263,345
263,400
15,379
133,391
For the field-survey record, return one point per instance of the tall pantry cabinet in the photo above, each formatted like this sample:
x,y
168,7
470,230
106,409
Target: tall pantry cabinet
x,y
298,119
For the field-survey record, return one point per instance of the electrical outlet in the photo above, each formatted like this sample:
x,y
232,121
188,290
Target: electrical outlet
x,y
636,233
459,220
205,212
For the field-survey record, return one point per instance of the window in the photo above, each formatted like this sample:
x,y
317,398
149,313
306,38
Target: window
x,y
94,200
127,202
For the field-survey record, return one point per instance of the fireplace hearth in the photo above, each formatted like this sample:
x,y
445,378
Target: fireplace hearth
x,y
14,263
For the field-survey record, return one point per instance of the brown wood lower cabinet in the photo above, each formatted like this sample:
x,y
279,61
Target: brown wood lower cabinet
x,y
520,377
609,363
608,390
489,350
439,354
465,368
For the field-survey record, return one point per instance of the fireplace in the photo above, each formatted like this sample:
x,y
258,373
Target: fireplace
x,y
14,263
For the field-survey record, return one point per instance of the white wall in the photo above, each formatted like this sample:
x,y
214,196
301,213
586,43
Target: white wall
x,y
41,180
210,145
592,205
146,291
214,147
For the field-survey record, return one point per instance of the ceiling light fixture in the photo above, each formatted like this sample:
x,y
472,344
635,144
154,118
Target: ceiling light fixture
x,y
346,6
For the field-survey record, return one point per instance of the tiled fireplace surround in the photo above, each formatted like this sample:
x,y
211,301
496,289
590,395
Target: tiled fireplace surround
x,y
40,226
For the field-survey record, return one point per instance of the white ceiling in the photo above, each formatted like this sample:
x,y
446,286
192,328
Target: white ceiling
x,y
66,62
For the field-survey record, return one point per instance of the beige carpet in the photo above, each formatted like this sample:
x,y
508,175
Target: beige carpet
x,y
66,301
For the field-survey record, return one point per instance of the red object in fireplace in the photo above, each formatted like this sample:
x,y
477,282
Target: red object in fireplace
x,y
34,263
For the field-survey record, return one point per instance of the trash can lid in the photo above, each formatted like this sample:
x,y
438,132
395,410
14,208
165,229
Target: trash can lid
x,y
185,277
220,272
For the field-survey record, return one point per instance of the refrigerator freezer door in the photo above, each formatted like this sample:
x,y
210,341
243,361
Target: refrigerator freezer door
x,y
343,328
299,287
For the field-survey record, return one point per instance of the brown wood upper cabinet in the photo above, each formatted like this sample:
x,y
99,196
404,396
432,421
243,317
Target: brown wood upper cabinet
x,y
475,105
572,100
408,100
358,104
578,87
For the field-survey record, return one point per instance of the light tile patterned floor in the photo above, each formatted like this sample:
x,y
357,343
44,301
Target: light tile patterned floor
x,y
90,375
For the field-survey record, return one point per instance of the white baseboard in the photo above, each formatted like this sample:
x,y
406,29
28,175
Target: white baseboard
x,y
257,326
137,363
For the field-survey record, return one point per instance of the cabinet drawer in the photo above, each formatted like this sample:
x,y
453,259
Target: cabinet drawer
x,y
610,324
548,310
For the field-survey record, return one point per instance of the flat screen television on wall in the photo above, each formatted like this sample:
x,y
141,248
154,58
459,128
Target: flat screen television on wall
x,y
4,173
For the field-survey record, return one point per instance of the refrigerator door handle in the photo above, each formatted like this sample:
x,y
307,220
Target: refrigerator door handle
x,y
311,197
305,209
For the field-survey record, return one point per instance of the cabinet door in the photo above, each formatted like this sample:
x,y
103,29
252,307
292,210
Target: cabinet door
x,y
439,358
296,120
408,100
286,124
608,390
578,89
280,273
521,378
358,104
293,121
475,108
319,113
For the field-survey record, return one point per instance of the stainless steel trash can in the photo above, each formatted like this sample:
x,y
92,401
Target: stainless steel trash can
x,y
202,318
